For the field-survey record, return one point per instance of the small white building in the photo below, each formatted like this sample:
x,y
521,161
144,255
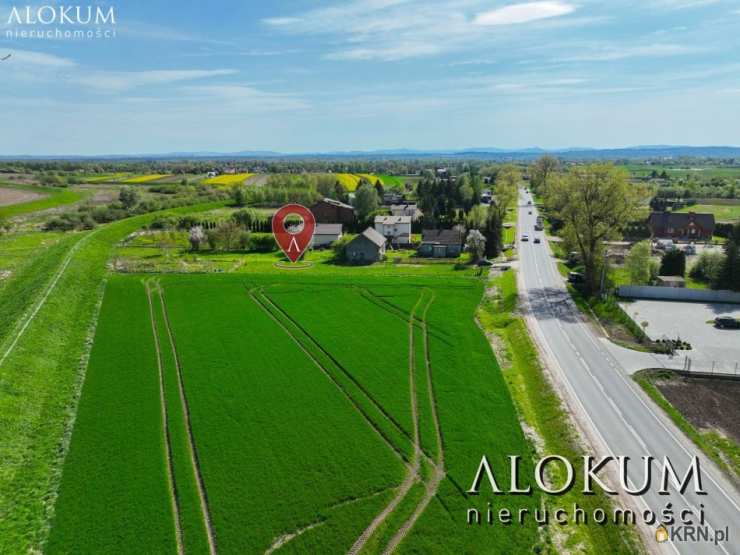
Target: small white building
x,y
410,210
397,229
326,234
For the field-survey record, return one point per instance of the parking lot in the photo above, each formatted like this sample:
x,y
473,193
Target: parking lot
x,y
692,322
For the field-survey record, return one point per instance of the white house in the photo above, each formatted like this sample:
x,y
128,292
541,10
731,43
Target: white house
x,y
397,229
325,234
406,210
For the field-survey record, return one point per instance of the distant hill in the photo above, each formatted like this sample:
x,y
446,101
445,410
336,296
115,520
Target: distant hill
x,y
485,153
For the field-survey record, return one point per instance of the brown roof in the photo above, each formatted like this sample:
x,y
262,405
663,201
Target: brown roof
x,y
442,236
680,220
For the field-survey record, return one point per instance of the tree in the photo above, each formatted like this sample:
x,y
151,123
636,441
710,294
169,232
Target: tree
x,y
729,277
542,171
708,267
476,244
506,189
637,263
485,219
673,263
366,201
196,237
129,197
466,192
239,195
595,203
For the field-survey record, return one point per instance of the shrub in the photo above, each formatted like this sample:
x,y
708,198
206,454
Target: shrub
x,y
263,242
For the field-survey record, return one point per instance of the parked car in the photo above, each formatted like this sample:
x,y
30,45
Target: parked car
x,y
529,202
530,212
536,240
525,237
727,322
689,249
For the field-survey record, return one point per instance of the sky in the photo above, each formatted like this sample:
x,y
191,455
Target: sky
x,y
313,76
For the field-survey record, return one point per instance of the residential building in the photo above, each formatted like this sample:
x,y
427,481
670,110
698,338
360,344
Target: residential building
x,y
688,226
411,210
396,229
326,234
441,243
367,247
330,211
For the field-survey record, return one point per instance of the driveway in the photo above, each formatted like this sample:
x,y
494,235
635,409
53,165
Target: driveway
x,y
690,322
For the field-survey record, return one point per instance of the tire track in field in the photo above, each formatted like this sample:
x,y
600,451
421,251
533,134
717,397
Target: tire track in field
x,y
165,426
389,418
439,469
413,471
192,450
255,298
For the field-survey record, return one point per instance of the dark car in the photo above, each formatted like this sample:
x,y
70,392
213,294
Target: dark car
x,y
575,277
536,240
726,322
530,212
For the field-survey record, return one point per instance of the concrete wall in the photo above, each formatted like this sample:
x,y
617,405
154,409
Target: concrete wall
x,y
678,294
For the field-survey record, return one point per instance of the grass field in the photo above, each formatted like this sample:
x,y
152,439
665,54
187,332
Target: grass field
x,y
139,179
228,179
53,197
315,406
722,213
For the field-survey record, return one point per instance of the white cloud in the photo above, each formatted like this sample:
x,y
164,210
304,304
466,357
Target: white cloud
x,y
116,81
621,53
247,97
387,53
27,57
524,13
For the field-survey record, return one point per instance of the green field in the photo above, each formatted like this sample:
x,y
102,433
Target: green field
x,y
314,405
722,212
53,197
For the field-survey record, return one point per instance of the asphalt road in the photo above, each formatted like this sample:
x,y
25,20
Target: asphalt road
x,y
617,412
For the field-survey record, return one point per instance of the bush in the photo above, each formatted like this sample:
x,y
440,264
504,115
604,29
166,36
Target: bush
x,y
263,242
339,248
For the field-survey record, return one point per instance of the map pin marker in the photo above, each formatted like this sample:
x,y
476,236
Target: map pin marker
x,y
293,243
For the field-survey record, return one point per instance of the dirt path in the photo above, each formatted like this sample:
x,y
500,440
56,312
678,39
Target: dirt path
x,y
203,498
413,471
17,196
165,425
439,471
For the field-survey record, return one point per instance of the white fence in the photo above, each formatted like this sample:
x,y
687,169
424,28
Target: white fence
x,y
677,294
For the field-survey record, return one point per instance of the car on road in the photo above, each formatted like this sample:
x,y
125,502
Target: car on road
x,y
529,203
727,322
536,240
525,237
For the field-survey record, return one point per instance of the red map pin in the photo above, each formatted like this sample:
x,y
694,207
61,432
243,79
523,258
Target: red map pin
x,y
293,241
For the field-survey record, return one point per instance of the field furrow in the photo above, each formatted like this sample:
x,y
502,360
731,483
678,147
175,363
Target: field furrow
x,y
193,521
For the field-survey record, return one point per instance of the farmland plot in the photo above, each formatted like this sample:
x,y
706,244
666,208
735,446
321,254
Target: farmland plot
x,y
262,411
316,416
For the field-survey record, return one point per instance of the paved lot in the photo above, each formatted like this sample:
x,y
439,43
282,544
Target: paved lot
x,y
688,321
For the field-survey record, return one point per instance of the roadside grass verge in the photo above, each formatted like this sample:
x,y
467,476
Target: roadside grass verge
x,y
54,197
542,411
723,451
